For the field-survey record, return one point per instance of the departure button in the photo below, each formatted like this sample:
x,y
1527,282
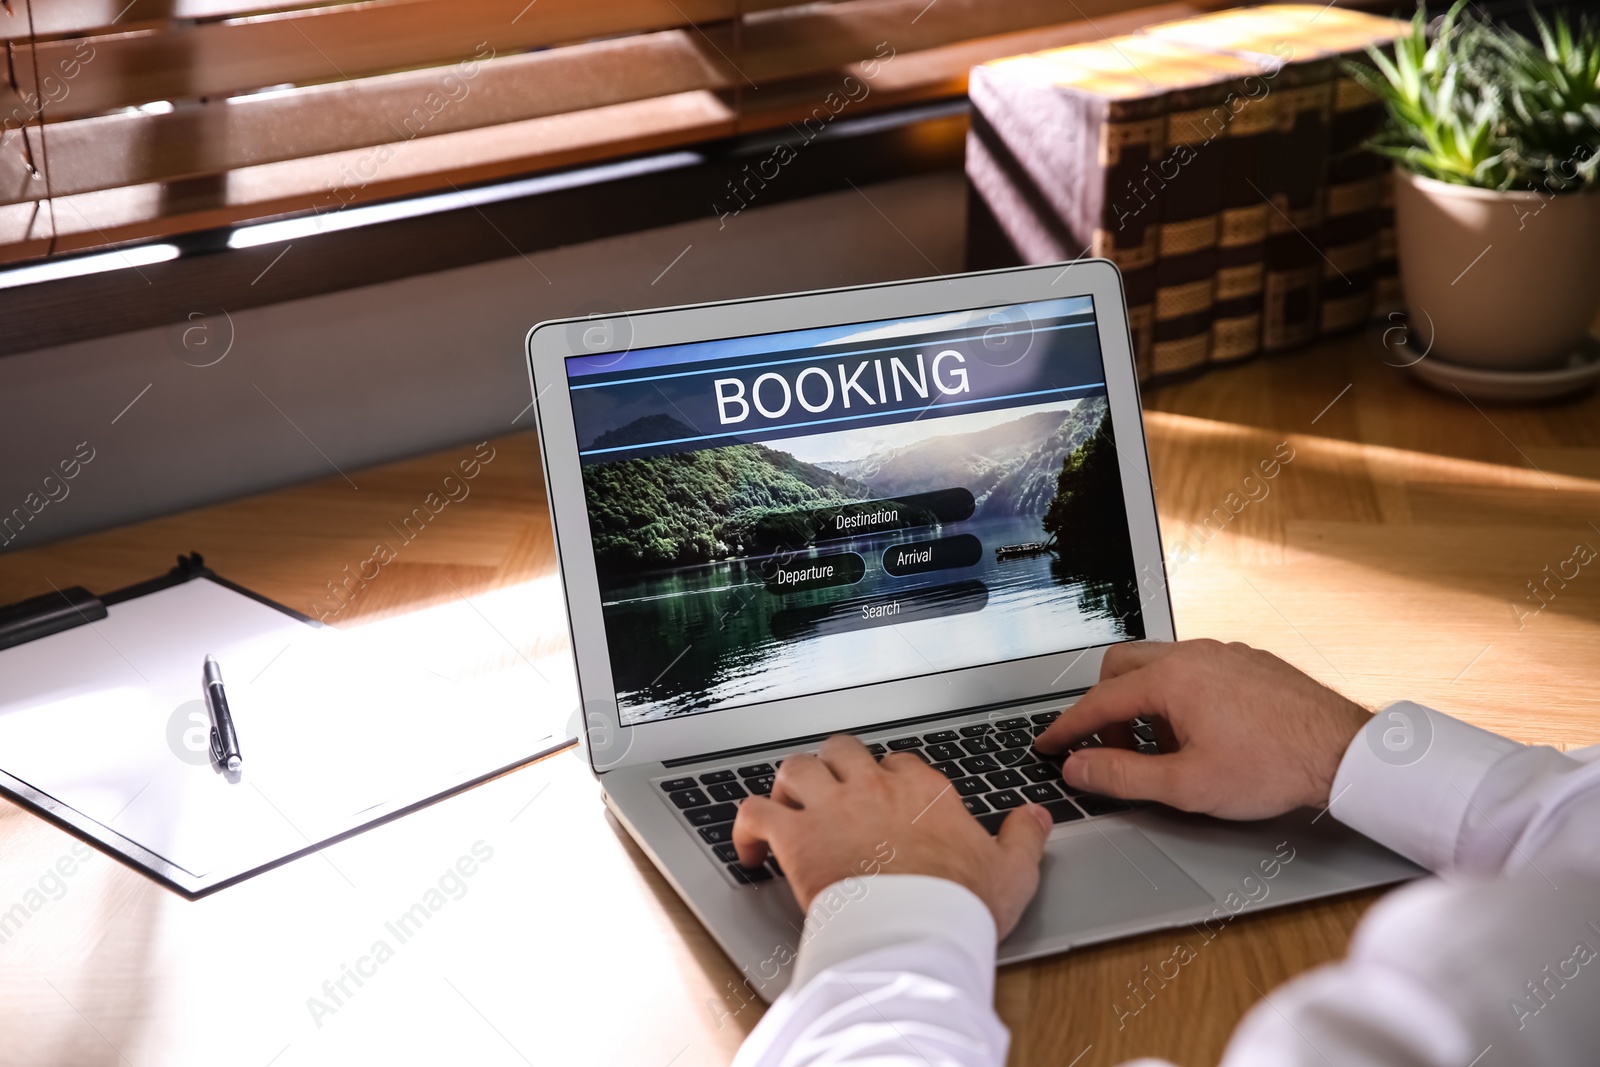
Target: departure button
x,y
815,572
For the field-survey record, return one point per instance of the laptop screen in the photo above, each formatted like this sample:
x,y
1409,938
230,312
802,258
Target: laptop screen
x,y
796,513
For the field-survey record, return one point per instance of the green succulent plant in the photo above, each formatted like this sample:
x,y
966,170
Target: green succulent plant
x,y
1552,93
1476,104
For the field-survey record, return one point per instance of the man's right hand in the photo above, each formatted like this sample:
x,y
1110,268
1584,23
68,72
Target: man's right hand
x,y
1255,737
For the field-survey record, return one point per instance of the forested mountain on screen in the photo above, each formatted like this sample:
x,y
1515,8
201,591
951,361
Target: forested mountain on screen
x,y
1011,469
669,510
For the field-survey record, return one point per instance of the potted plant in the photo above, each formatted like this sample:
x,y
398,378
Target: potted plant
x,y
1497,189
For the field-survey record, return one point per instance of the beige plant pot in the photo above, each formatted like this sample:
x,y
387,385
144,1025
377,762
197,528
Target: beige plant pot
x,y
1504,280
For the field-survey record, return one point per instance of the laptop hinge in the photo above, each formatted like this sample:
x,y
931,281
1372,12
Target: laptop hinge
x,y
764,746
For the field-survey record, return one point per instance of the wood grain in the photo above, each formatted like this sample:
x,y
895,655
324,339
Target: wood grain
x,y
1389,557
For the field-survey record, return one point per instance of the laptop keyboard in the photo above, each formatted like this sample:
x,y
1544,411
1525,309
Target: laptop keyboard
x,y
992,766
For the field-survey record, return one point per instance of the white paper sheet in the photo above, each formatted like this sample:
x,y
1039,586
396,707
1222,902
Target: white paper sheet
x,y
108,719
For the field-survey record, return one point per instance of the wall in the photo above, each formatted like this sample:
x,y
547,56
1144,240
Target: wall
x,y
312,387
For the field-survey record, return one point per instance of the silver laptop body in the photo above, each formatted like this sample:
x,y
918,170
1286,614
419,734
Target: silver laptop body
x,y
880,510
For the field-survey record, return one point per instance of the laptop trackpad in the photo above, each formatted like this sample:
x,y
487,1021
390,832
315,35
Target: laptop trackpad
x,y
1094,884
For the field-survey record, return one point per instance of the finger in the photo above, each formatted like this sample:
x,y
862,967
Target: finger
x,y
1140,692
1021,844
901,762
847,757
801,778
1023,834
753,828
1116,772
1130,656
1117,734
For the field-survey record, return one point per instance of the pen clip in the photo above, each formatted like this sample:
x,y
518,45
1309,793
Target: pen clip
x,y
216,745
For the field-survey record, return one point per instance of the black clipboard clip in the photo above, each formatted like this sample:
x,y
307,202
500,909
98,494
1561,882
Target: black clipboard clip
x,y
63,609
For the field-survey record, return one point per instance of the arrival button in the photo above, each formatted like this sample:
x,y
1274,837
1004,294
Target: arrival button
x,y
941,553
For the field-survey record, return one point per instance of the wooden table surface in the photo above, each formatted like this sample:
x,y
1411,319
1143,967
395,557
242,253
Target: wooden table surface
x,y
1392,557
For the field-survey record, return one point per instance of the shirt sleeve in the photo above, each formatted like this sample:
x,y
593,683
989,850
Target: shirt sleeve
x,y
900,974
1496,962
1460,800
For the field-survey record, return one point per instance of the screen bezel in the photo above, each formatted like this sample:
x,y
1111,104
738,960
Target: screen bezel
x,y
613,744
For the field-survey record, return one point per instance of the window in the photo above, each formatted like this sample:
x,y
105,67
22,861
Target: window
x,y
127,120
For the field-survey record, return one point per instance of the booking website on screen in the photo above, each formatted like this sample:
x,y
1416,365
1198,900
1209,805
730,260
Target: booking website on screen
x,y
804,512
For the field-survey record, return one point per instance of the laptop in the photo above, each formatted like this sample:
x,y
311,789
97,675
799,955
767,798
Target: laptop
x,y
917,512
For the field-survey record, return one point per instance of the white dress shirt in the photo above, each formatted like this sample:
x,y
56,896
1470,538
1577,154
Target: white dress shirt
x,y
1497,961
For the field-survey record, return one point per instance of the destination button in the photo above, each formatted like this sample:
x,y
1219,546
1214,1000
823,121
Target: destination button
x,y
938,554
881,609
861,518
816,572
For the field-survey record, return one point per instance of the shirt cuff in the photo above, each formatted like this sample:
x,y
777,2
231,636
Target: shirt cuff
x,y
859,915
1408,777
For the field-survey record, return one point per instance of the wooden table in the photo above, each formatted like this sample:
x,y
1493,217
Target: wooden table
x,y
1391,557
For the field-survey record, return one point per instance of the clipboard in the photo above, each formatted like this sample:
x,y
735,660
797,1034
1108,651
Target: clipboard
x,y
103,729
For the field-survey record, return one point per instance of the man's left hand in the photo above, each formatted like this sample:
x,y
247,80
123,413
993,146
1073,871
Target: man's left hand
x,y
842,813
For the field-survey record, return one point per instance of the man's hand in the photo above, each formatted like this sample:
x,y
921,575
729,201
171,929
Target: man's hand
x,y
1255,737
841,812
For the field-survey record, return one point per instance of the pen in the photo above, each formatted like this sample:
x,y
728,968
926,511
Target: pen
x,y
224,739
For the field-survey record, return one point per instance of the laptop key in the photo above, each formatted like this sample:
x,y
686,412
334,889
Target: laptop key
x,y
1095,804
940,737
1006,779
876,749
713,777
689,798
1144,733
1004,799
1014,757
1018,723
726,853
975,805
1045,718
1042,772
977,729
759,786
713,814
1016,739
985,743
720,834
727,791
1041,792
674,785
979,764
749,875
900,744
992,821
756,770
1062,810
971,786
950,769
945,751
1147,748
